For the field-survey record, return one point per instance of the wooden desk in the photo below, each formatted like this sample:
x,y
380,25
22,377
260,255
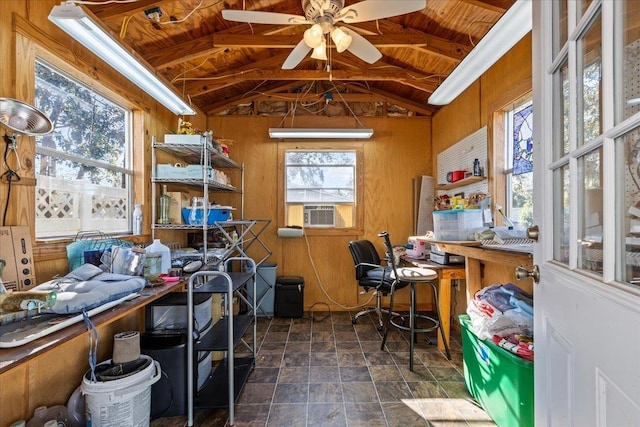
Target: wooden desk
x,y
47,370
503,261
446,273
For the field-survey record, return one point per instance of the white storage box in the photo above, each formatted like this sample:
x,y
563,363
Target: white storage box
x,y
177,171
456,224
172,138
418,249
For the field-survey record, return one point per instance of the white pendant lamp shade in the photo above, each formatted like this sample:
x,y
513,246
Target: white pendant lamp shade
x,y
341,39
320,51
314,37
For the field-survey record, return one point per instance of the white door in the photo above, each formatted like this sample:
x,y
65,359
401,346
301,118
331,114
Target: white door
x,y
587,204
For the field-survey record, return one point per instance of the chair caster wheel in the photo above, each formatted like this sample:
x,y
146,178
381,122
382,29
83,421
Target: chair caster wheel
x,y
379,328
354,321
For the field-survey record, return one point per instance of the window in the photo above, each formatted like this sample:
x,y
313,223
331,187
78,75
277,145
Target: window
x,y
83,167
519,164
320,188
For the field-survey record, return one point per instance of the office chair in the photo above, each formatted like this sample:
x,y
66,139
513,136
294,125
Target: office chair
x,y
411,275
370,274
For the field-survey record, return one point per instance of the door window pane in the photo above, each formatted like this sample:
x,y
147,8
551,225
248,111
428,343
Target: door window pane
x,y
590,240
561,216
560,18
628,183
628,58
590,77
583,5
561,122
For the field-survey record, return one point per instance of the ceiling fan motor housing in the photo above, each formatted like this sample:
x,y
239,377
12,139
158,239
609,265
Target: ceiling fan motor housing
x,y
319,10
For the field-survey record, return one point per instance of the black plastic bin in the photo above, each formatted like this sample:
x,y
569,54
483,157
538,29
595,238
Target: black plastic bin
x,y
289,296
168,395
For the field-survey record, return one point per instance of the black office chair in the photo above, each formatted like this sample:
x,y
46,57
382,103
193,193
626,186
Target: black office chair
x,y
412,276
371,274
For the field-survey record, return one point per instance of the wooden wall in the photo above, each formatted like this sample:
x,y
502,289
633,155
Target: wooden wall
x,y
399,151
506,81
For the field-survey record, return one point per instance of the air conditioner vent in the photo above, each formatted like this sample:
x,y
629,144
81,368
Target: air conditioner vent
x,y
319,216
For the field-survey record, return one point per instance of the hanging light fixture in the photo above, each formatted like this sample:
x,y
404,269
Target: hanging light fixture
x,y
314,36
320,51
320,133
73,20
341,39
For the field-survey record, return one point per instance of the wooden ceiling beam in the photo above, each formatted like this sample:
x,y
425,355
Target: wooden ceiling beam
x,y
440,47
113,10
498,6
246,98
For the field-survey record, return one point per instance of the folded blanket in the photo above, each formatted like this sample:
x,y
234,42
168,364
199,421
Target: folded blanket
x,y
88,287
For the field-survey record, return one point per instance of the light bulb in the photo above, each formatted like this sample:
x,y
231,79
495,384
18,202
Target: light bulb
x,y
341,39
320,52
18,123
313,37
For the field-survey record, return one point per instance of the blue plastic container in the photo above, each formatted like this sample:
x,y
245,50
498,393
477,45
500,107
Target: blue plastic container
x,y
213,215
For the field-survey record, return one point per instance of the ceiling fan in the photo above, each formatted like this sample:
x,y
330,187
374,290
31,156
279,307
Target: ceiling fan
x,y
322,15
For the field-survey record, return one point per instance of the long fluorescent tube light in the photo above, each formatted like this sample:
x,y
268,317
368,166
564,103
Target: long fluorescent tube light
x,y
320,133
74,21
511,27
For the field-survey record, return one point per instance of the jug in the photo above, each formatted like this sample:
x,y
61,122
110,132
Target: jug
x,y
197,211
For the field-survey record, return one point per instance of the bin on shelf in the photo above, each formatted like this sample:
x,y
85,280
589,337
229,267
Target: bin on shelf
x,y
289,296
500,381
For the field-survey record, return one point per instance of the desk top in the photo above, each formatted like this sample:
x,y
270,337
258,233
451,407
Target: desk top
x,y
13,357
425,263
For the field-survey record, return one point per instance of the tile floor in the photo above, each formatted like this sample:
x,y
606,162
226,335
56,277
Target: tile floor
x,y
321,370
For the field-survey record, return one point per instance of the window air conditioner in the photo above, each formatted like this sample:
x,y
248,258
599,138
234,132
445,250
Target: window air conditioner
x,y
319,216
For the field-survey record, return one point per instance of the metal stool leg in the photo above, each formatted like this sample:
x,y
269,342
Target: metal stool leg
x,y
412,323
388,322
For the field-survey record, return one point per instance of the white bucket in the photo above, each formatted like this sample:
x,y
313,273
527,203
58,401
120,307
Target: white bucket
x,y
121,402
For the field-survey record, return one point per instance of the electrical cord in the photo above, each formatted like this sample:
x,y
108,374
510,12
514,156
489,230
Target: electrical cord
x,y
324,291
10,175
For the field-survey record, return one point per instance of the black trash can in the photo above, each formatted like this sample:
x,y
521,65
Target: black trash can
x,y
289,296
168,395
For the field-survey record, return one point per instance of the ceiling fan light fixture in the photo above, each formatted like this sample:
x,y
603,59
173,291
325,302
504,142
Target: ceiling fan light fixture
x,y
341,39
314,36
320,51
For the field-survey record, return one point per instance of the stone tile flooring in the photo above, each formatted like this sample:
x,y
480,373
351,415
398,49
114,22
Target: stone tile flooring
x,y
325,371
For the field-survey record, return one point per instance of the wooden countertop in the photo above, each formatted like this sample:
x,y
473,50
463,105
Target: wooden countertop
x,y
473,249
13,357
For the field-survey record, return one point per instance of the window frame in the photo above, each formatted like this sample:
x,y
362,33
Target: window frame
x,y
357,147
127,170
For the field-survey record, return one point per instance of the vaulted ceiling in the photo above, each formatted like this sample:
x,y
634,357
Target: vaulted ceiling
x,y
227,67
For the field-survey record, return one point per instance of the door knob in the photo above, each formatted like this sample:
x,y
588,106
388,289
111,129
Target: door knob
x,y
523,273
533,232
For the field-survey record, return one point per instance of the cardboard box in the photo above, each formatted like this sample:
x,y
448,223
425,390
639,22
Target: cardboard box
x,y
179,200
17,252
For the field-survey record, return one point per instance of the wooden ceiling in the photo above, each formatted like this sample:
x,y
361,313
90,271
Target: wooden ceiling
x,y
229,67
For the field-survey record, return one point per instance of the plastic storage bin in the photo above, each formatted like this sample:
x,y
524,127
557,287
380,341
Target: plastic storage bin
x,y
500,381
213,214
456,224
265,289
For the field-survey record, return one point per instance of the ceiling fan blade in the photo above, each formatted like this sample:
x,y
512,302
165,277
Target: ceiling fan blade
x,y
361,47
259,17
370,10
296,56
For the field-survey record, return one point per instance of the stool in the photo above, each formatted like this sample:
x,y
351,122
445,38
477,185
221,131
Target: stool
x,y
412,275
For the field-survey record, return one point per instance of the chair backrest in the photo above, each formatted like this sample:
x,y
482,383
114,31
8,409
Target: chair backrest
x,y
363,251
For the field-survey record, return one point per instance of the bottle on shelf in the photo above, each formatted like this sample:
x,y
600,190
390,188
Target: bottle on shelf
x,y
477,170
158,248
164,204
137,220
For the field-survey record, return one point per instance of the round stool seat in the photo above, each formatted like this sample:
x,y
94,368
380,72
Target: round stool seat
x,y
414,274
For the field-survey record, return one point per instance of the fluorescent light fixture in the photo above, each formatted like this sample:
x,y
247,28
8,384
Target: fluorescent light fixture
x,y
320,133
74,21
513,25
